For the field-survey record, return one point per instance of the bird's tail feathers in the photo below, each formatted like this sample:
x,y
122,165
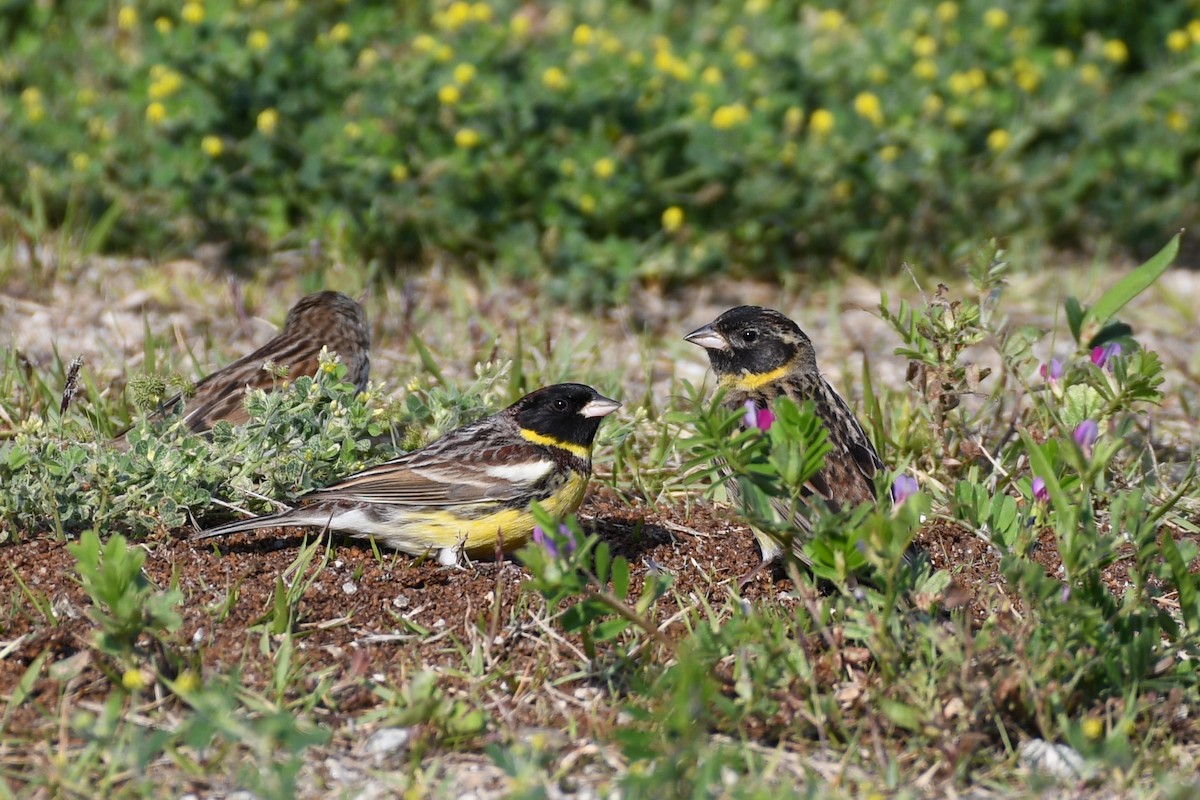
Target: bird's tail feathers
x,y
254,523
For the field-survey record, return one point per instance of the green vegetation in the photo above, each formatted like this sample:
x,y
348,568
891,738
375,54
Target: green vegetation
x,y
605,142
599,152
704,691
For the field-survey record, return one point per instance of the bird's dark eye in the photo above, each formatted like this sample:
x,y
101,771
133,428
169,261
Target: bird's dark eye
x,y
750,335
560,405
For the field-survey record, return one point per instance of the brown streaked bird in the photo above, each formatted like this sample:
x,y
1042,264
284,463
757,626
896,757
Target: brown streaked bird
x,y
469,491
759,354
323,319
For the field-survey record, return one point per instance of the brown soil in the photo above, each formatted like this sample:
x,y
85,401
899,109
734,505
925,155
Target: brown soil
x,y
368,621
363,615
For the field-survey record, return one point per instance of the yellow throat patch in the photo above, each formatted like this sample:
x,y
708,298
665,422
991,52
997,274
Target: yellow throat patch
x,y
749,381
549,441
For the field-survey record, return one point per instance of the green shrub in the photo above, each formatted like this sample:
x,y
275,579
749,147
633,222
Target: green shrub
x,y
606,141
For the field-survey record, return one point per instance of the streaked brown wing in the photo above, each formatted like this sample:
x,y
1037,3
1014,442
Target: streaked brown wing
x,y
454,469
222,394
398,485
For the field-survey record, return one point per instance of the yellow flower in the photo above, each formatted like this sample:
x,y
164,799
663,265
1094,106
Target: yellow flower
x,y
744,59
133,680
424,43
267,121
995,18
1176,121
31,96
554,79
156,113
947,11
443,53
877,74
604,168
340,32
352,131
924,46
187,682
889,153
399,173
212,146
1063,58
1092,728
712,76
1193,29
481,12
1116,51
821,122
466,138
192,13
368,57
99,129
672,219
464,74
610,44
976,78
736,37
455,16
830,20
1028,79
925,69
787,155
448,95
166,84
80,161
729,116
842,190
582,36
1178,41
636,58
793,118
999,140
956,116
519,25
932,105
127,18
1089,74
867,106
258,40
164,25
587,204
757,7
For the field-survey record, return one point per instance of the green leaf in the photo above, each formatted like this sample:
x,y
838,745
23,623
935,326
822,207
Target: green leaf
x,y
1132,284
1040,466
620,578
603,559
1184,582
906,716
1075,316
427,359
610,629
1109,333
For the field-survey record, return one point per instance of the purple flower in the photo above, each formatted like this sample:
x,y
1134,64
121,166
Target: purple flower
x,y
1102,355
1053,371
1040,492
568,543
756,417
1085,434
904,487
